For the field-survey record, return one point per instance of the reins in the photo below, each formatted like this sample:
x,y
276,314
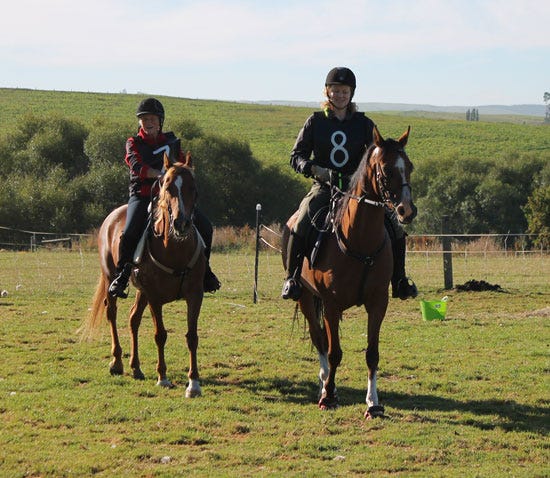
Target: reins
x,y
361,199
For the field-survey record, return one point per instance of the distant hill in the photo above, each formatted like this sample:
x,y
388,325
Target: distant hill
x,y
525,110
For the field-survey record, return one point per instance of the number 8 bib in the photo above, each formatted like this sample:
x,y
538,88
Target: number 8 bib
x,y
338,146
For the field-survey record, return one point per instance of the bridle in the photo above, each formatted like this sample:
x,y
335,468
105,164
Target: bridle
x,y
388,199
187,216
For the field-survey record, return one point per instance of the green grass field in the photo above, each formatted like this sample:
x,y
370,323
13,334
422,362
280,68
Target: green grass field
x,y
467,396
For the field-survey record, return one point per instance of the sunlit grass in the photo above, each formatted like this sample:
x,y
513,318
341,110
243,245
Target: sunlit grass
x,y
464,397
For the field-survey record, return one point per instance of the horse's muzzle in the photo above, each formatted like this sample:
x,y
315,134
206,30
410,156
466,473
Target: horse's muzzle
x,y
406,212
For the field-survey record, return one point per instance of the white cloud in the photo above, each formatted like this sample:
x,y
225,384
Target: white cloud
x,y
249,49
70,33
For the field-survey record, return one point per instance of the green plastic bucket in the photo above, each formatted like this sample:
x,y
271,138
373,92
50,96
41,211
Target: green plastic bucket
x,y
433,309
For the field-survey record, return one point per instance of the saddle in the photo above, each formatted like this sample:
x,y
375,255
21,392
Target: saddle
x,y
138,253
316,236
140,248
321,226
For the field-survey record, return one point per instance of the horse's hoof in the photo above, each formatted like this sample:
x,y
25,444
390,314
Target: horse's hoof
x,y
165,383
192,393
376,411
328,404
138,375
115,369
193,390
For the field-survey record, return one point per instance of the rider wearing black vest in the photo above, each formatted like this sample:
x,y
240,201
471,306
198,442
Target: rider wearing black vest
x,y
145,158
337,137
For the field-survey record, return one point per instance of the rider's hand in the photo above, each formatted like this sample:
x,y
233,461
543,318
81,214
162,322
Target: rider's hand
x,y
320,174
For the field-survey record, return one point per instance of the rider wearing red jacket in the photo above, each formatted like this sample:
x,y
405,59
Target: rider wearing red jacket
x,y
144,157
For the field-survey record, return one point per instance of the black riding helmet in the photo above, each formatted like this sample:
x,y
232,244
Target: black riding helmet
x,y
151,106
341,75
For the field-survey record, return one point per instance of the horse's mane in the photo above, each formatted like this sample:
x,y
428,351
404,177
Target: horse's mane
x,y
355,179
158,203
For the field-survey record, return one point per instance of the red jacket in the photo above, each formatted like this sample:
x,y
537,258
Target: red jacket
x,y
143,153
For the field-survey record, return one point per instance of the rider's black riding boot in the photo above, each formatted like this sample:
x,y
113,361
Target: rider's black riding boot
x,y
119,285
402,286
124,267
292,288
211,283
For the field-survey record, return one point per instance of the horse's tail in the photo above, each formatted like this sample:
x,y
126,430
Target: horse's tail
x,y
318,309
89,329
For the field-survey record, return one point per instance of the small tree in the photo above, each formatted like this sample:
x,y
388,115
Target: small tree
x,y
537,212
547,102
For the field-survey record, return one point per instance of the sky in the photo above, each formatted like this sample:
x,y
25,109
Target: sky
x,y
447,52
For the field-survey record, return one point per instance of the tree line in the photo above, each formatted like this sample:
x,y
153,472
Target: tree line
x,y
58,176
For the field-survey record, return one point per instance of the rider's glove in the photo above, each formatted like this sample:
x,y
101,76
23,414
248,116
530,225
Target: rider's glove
x,y
320,174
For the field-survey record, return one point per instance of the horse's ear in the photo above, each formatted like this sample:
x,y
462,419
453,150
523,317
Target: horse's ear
x,y
377,137
404,137
167,162
188,160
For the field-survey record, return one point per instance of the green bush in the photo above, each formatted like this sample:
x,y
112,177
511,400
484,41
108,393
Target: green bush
x,y
58,175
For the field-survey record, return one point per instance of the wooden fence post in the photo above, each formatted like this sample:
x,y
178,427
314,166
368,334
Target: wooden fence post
x,y
446,243
258,213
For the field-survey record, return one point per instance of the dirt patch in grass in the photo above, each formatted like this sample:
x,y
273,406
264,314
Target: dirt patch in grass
x,y
479,286
537,313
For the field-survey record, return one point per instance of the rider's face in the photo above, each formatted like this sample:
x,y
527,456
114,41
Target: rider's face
x,y
339,96
150,124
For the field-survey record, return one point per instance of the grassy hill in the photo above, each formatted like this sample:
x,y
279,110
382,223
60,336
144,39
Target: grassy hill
x,y
271,130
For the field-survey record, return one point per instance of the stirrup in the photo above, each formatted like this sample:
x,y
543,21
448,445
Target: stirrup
x,y
405,289
120,283
118,288
292,289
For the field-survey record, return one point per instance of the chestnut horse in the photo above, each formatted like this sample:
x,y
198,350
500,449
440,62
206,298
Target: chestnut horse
x,y
354,264
172,267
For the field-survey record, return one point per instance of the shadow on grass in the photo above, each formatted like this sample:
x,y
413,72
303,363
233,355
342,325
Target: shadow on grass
x,y
272,390
512,416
